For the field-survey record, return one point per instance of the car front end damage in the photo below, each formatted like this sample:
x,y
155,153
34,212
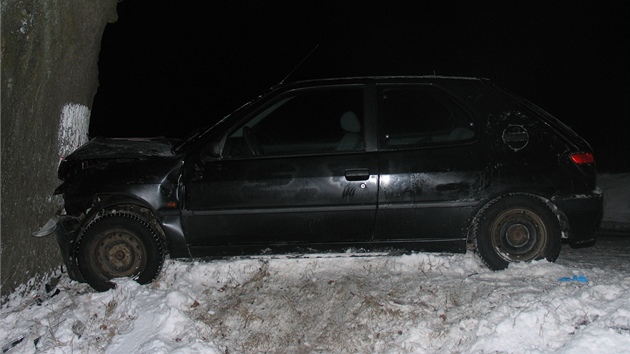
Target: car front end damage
x,y
68,229
109,176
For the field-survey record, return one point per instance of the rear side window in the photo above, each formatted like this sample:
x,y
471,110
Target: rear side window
x,y
418,116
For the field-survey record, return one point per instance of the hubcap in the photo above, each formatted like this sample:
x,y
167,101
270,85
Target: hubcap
x,y
119,253
518,235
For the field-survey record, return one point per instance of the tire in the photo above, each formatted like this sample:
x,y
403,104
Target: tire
x,y
119,245
517,229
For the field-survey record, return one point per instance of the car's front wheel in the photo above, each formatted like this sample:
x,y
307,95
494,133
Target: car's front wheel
x,y
119,245
517,228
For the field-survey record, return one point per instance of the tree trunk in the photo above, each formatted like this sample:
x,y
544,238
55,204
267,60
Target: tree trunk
x,y
49,78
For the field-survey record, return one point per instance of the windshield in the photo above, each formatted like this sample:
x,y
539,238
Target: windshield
x,y
199,133
196,135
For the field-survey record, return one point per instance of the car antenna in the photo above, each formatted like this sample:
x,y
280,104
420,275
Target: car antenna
x,y
300,63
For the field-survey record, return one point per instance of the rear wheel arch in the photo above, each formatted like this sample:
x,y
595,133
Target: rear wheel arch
x,y
517,227
478,211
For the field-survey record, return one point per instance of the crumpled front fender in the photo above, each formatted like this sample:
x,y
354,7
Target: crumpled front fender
x,y
67,229
48,228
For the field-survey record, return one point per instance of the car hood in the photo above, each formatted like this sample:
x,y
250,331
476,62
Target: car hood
x,y
125,148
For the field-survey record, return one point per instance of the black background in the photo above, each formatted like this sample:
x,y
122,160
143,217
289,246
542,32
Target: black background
x,y
167,67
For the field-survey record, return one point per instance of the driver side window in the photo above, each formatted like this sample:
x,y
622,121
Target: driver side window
x,y
309,121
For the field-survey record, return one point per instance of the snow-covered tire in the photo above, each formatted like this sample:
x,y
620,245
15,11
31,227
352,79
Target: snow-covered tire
x,y
517,228
119,245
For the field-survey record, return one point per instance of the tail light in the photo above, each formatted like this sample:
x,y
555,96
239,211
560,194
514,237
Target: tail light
x,y
582,158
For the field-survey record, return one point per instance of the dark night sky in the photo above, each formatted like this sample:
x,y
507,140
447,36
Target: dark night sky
x,y
167,67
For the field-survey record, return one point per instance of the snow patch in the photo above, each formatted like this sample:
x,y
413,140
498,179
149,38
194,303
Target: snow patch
x,y
616,189
73,128
418,303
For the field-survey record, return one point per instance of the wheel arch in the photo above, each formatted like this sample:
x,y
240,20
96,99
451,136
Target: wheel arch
x,y
149,271
112,203
561,217
166,222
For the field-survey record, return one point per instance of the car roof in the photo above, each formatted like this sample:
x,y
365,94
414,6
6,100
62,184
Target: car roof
x,y
379,79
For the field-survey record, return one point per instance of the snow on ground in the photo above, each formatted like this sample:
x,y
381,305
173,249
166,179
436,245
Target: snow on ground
x,y
616,200
419,303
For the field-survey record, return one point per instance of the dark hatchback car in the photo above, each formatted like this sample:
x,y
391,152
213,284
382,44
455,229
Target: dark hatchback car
x,y
379,163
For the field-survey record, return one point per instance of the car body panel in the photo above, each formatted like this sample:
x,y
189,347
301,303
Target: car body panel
x,y
290,200
426,197
434,203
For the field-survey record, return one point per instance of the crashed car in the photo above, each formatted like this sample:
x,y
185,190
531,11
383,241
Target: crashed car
x,y
378,163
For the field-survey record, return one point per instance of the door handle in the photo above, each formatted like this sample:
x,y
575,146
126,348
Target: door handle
x,y
358,174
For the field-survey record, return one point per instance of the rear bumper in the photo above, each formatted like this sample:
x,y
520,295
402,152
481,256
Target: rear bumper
x,y
583,213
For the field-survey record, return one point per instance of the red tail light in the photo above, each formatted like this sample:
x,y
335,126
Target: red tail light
x,y
582,158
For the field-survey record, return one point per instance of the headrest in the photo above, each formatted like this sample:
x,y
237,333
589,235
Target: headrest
x,y
350,122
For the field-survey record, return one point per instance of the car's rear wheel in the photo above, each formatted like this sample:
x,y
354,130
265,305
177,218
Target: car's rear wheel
x,y
119,245
517,229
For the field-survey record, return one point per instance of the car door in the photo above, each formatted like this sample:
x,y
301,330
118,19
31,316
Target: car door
x,y
430,164
294,171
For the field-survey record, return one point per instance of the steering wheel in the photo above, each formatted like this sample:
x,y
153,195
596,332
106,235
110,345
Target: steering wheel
x,y
252,143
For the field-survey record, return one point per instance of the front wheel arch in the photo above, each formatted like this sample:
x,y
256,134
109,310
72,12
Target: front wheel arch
x,y
119,244
517,228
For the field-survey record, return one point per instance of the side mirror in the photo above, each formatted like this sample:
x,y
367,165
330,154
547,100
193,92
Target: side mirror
x,y
215,149
212,151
